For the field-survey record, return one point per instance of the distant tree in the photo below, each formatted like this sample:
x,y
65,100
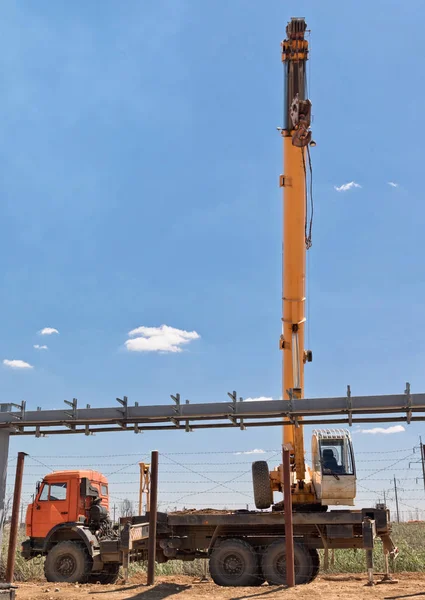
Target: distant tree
x,y
127,508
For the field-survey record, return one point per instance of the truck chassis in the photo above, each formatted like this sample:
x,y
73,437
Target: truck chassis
x,y
247,547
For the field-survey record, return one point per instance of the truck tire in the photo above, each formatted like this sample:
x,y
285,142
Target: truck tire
x,y
263,495
109,574
67,562
274,564
316,563
234,563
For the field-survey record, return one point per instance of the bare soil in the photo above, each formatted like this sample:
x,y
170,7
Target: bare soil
x,y
342,587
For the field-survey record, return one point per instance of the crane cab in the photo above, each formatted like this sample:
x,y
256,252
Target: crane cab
x,y
334,472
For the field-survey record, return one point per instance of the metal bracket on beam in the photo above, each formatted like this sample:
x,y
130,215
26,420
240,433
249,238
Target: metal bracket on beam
x,y
123,411
408,403
71,415
188,428
231,417
292,419
349,406
233,407
176,399
87,427
37,427
136,425
18,415
177,409
234,397
241,423
73,405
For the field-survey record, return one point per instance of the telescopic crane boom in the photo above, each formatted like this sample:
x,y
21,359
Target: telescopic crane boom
x,y
331,478
296,138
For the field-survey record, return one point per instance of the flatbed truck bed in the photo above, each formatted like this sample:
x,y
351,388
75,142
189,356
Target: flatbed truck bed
x,y
234,541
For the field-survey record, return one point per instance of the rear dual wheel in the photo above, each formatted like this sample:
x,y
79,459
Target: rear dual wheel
x,y
273,564
235,563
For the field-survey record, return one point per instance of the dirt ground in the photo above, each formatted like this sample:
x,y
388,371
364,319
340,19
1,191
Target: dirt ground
x,y
343,587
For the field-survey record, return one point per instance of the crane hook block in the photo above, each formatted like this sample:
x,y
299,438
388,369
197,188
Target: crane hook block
x,y
301,117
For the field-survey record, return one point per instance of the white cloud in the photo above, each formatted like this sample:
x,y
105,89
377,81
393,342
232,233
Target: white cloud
x,y
347,186
159,339
17,364
384,430
48,331
38,347
255,451
259,399
392,184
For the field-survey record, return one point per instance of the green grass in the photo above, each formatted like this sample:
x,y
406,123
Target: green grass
x,y
31,570
409,537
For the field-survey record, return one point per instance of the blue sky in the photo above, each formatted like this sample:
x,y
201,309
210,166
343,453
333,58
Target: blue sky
x,y
139,187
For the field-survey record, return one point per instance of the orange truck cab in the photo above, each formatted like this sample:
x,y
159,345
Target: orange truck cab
x,y
68,522
62,498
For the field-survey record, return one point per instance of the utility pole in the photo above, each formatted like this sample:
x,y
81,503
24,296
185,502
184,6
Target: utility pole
x,y
396,499
385,499
114,509
422,459
22,513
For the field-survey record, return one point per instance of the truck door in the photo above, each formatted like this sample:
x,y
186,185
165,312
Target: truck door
x,y
51,507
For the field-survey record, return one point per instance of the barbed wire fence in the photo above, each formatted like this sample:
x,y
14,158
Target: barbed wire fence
x,y
222,479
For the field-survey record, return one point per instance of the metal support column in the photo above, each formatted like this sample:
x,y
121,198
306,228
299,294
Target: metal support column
x,y
289,531
152,518
14,523
4,454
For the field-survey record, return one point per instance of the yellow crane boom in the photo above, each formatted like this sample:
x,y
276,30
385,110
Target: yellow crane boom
x,y
296,235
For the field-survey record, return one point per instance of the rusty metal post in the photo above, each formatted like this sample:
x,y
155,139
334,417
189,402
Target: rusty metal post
x,y
289,530
153,505
14,524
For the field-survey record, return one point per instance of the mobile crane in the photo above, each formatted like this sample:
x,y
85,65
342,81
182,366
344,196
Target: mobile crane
x,y
331,479
69,523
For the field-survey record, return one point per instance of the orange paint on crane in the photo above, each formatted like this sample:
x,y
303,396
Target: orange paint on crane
x,y
294,260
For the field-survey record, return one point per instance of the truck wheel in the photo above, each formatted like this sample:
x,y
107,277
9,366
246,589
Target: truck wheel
x,y
274,563
263,495
109,574
234,563
316,562
67,562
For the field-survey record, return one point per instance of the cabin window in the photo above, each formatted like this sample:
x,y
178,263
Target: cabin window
x,y
336,457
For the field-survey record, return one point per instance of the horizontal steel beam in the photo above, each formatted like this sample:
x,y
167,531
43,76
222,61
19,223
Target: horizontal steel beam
x,y
316,411
92,430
